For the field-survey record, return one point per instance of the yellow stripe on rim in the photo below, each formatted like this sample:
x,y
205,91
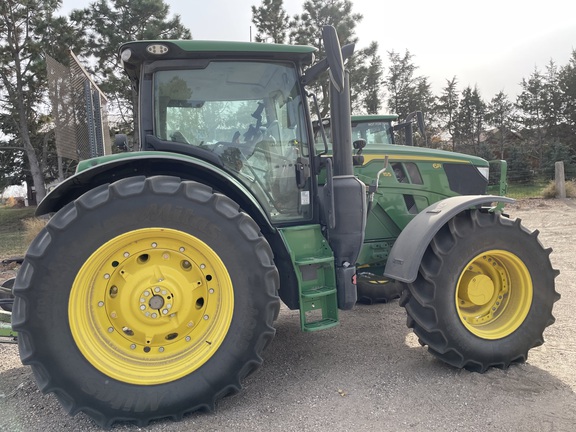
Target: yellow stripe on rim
x,y
494,294
151,306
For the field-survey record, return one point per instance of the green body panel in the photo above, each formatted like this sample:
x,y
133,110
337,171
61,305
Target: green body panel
x,y
93,172
90,163
5,326
389,213
313,262
240,49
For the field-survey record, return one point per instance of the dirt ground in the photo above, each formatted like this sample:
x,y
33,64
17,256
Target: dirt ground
x,y
369,373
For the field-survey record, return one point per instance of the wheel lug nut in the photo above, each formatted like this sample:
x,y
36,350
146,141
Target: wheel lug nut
x,y
142,307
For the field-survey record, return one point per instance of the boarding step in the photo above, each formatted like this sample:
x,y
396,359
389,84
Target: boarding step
x,y
313,262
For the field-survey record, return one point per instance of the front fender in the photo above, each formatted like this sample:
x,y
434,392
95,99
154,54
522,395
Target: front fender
x,y
408,250
110,169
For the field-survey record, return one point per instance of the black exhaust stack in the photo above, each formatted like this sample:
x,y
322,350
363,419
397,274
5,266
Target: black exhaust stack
x,y
344,193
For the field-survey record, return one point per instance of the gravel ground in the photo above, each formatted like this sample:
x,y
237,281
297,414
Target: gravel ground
x,y
369,373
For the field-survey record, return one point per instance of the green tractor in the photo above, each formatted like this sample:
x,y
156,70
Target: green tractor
x,y
417,177
154,288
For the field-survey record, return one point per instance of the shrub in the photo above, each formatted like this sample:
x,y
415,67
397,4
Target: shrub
x,y
550,190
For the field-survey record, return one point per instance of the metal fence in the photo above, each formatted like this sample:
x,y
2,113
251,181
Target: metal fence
x,y
79,109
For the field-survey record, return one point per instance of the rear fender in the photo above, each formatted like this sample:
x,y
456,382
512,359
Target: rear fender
x,y
107,170
408,250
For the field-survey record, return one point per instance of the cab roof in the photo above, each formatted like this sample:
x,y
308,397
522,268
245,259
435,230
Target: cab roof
x,y
150,50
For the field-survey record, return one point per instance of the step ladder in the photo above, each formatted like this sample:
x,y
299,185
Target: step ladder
x,y
313,262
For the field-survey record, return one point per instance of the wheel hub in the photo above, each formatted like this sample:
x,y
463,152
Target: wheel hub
x,y
151,305
494,294
477,288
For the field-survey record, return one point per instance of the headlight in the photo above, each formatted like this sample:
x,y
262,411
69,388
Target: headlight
x,y
484,171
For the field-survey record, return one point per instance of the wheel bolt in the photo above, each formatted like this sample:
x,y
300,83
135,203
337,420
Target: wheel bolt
x,y
132,346
154,315
142,307
205,317
100,303
154,244
188,338
110,329
161,349
165,311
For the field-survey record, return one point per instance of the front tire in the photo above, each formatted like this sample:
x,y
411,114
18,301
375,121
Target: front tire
x,y
484,292
146,298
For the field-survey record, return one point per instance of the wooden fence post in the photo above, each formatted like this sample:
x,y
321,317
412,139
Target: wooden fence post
x,y
560,181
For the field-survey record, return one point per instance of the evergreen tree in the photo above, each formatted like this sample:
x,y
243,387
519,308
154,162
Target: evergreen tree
x,y
470,119
104,26
499,114
400,82
567,87
307,30
530,103
448,108
271,21
366,84
552,103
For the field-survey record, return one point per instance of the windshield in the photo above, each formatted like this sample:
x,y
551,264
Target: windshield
x,y
248,113
376,132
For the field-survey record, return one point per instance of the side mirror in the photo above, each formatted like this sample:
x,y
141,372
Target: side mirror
x,y
334,57
359,144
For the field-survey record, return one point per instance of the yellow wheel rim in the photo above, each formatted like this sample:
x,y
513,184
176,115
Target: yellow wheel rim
x,y
151,306
494,294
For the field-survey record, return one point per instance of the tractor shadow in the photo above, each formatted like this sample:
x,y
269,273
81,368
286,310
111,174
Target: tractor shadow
x,y
369,373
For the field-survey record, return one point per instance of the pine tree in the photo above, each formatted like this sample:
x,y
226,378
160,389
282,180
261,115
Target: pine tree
x,y
104,26
499,114
271,21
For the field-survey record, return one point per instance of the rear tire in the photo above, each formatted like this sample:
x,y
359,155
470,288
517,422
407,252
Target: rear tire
x,y
484,292
377,289
146,298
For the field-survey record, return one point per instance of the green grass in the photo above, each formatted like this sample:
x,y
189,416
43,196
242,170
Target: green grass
x,y
532,190
12,231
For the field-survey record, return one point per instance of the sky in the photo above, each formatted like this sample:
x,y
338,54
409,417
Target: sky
x,y
491,44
